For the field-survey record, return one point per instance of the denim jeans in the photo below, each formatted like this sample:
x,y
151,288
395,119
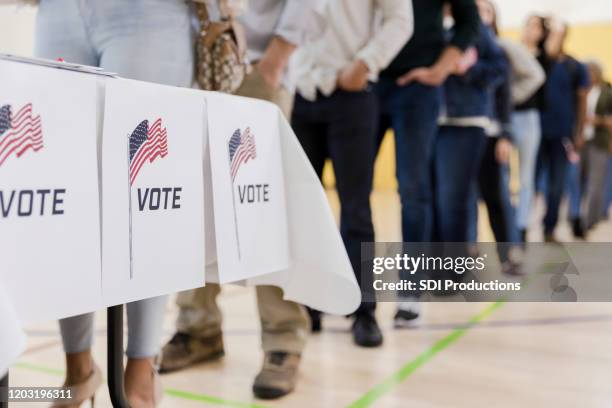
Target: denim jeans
x,y
527,135
575,190
458,155
343,127
412,112
149,40
553,163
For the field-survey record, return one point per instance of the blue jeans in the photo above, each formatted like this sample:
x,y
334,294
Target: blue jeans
x,y
458,155
343,127
412,111
553,163
527,135
575,190
149,40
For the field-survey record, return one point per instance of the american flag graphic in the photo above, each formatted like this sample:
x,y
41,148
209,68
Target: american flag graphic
x,y
241,150
147,144
19,132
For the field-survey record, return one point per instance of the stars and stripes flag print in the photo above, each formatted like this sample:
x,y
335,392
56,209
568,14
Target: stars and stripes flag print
x,y
19,132
241,150
146,145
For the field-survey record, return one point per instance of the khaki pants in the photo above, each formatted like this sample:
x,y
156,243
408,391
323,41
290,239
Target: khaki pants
x,y
284,324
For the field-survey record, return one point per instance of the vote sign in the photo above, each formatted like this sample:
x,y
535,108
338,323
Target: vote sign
x,y
153,208
49,201
249,187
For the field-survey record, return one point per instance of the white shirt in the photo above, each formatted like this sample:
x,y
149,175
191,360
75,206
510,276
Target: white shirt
x,y
592,100
370,30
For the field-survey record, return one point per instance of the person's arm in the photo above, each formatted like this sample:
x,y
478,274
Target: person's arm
x,y
396,29
491,68
467,27
273,63
528,75
582,92
297,20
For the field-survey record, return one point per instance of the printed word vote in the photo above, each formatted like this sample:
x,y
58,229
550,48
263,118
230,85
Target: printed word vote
x,y
162,198
26,203
254,193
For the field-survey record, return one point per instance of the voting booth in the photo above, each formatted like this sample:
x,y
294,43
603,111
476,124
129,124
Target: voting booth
x,y
114,190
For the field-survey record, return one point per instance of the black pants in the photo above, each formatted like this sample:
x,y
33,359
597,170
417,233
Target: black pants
x,y
343,127
494,190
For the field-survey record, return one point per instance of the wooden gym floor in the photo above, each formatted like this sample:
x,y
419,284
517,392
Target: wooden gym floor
x,y
510,355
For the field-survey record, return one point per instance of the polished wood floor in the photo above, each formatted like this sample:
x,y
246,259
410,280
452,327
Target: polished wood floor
x,y
517,355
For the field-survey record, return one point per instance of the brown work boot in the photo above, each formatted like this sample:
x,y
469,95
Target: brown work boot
x,y
184,350
278,375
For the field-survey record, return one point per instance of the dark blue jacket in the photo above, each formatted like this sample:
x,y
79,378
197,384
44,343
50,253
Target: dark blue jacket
x,y
471,95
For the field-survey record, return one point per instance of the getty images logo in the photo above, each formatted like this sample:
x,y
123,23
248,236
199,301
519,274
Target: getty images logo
x,y
20,132
147,144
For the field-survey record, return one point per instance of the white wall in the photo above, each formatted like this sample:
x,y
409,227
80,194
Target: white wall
x,y
513,12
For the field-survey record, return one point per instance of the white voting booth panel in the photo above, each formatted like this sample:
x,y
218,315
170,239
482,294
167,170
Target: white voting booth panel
x,y
49,199
153,194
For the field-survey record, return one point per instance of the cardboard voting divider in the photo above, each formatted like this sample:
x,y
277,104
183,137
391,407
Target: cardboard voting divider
x,y
49,199
153,198
248,187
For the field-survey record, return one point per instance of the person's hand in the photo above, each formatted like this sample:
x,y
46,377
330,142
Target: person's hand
x,y
270,73
432,76
354,77
467,61
272,64
503,149
579,142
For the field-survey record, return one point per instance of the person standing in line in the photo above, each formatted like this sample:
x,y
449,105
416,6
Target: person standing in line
x,y
563,120
524,78
148,40
274,28
598,151
461,141
410,98
336,116
526,121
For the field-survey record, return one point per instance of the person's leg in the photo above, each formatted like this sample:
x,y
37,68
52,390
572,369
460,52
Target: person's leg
x,y
284,324
527,138
496,195
595,186
557,172
198,336
351,142
60,32
608,194
309,124
458,154
414,112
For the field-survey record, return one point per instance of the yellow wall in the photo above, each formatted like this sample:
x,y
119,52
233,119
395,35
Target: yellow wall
x,y
584,42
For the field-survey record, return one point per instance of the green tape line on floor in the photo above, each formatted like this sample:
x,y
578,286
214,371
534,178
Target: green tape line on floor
x,y
408,369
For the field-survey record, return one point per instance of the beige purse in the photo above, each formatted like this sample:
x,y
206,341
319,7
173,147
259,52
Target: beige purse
x,y
221,51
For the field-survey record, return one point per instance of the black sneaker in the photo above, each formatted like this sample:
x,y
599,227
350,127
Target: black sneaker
x,y
407,315
366,332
